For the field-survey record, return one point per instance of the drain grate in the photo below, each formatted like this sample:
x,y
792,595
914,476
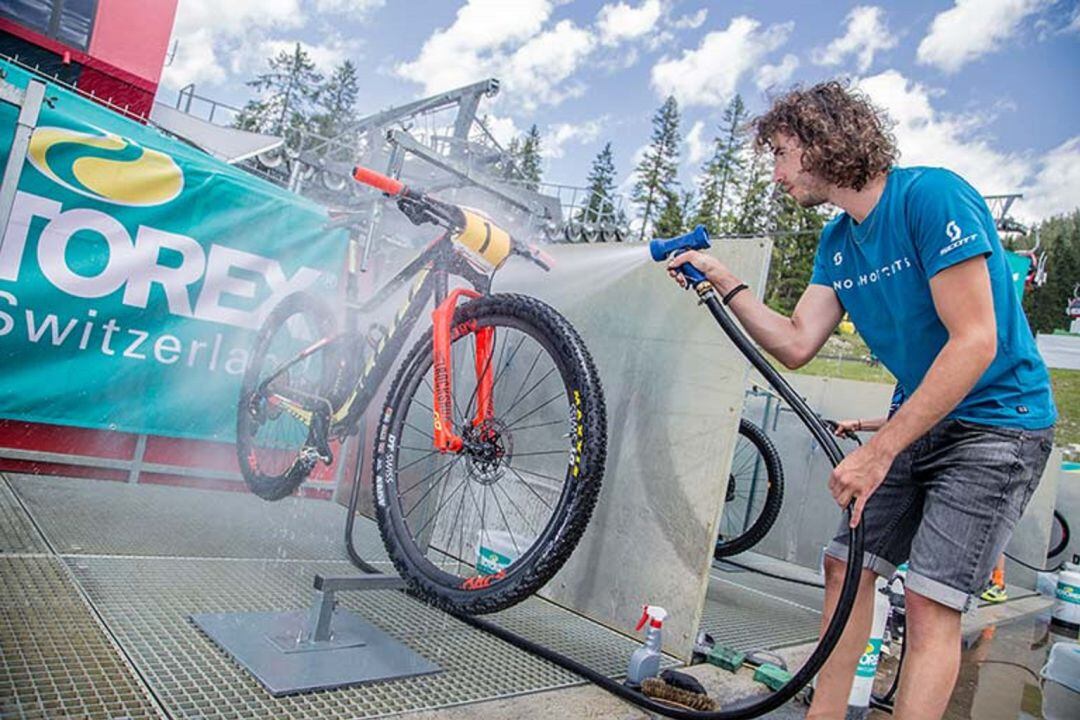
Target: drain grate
x,y
55,662
146,603
17,533
745,618
159,520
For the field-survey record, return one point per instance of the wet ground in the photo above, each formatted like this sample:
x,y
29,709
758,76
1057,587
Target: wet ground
x,y
999,670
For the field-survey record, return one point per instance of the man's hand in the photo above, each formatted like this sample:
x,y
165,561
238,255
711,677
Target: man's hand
x,y
857,477
716,272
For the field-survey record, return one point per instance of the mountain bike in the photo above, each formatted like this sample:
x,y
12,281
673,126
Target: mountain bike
x,y
491,443
755,490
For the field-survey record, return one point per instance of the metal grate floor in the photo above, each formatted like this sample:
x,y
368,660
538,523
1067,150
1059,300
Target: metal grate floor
x,y
749,612
97,517
149,556
55,661
17,533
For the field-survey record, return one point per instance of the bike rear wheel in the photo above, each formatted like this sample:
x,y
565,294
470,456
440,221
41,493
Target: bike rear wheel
x,y
755,492
1059,535
479,530
282,397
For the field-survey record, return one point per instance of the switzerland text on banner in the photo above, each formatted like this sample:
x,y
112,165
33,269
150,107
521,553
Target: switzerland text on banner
x,y
135,270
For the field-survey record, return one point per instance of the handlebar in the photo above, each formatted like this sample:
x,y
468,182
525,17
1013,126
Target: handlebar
x,y
421,208
388,185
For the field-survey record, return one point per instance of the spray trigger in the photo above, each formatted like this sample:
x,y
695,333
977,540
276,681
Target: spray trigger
x,y
653,613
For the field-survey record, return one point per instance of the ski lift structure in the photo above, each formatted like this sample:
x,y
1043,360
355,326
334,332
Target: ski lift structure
x,y
999,208
440,143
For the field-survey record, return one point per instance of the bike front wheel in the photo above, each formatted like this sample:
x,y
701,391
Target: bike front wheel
x,y
755,492
478,530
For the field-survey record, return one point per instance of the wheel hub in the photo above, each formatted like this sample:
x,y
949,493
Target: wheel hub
x,y
488,448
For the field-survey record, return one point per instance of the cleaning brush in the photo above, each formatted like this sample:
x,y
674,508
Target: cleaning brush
x,y
671,695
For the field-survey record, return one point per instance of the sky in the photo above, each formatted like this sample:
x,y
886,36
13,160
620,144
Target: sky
x,y
988,88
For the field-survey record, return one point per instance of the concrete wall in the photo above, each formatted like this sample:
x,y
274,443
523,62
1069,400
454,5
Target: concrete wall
x,y
674,392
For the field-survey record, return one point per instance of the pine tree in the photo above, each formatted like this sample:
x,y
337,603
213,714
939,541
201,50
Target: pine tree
x,y
718,187
290,90
601,189
1060,240
796,230
754,211
657,172
528,161
337,100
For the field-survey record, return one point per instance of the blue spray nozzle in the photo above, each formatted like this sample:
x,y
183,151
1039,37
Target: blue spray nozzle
x,y
698,239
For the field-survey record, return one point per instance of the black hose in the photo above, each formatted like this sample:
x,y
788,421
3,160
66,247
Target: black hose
x,y
746,708
1018,561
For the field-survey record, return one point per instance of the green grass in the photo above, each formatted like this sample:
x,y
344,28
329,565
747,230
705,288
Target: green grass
x,y
845,358
1067,396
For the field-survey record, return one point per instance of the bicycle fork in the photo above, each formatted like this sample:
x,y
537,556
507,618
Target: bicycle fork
x,y
445,439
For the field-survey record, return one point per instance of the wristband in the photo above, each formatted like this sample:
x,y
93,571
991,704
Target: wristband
x,y
735,291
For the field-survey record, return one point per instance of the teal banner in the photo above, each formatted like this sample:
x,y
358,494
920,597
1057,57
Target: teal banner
x,y
135,270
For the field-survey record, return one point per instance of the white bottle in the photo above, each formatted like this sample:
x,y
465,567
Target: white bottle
x,y
1066,613
863,686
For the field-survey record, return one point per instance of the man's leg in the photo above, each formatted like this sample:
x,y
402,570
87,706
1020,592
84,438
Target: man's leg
x,y
836,676
931,659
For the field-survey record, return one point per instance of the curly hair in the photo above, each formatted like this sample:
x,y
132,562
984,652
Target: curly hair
x,y
846,139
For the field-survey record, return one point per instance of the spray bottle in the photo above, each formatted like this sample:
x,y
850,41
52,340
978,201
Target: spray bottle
x,y
645,662
863,686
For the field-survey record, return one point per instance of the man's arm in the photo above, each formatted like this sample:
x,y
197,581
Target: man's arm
x,y
794,340
965,304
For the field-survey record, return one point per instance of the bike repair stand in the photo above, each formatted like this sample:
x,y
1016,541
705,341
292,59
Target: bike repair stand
x,y
320,648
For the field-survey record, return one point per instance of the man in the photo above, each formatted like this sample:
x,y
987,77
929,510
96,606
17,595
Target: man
x,y
915,260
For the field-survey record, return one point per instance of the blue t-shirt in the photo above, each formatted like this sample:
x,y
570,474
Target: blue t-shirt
x,y
929,219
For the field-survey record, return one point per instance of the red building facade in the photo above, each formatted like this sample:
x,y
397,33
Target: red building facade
x,y
113,50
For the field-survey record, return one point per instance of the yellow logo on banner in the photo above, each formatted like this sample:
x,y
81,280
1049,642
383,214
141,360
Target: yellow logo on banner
x,y
105,167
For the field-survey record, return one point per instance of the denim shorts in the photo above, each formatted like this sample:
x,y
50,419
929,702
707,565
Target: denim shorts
x,y
949,505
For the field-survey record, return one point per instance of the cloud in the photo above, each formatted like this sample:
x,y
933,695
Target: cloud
x,y
971,29
697,147
349,7
691,22
215,38
207,31
620,22
326,56
553,142
537,70
492,38
502,128
772,75
866,35
709,74
927,136
1055,188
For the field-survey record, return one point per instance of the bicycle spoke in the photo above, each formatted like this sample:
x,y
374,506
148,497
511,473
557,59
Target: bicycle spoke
x,y
524,482
476,504
546,376
402,493
418,460
538,425
528,375
427,492
541,406
507,523
410,425
520,512
435,514
542,452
